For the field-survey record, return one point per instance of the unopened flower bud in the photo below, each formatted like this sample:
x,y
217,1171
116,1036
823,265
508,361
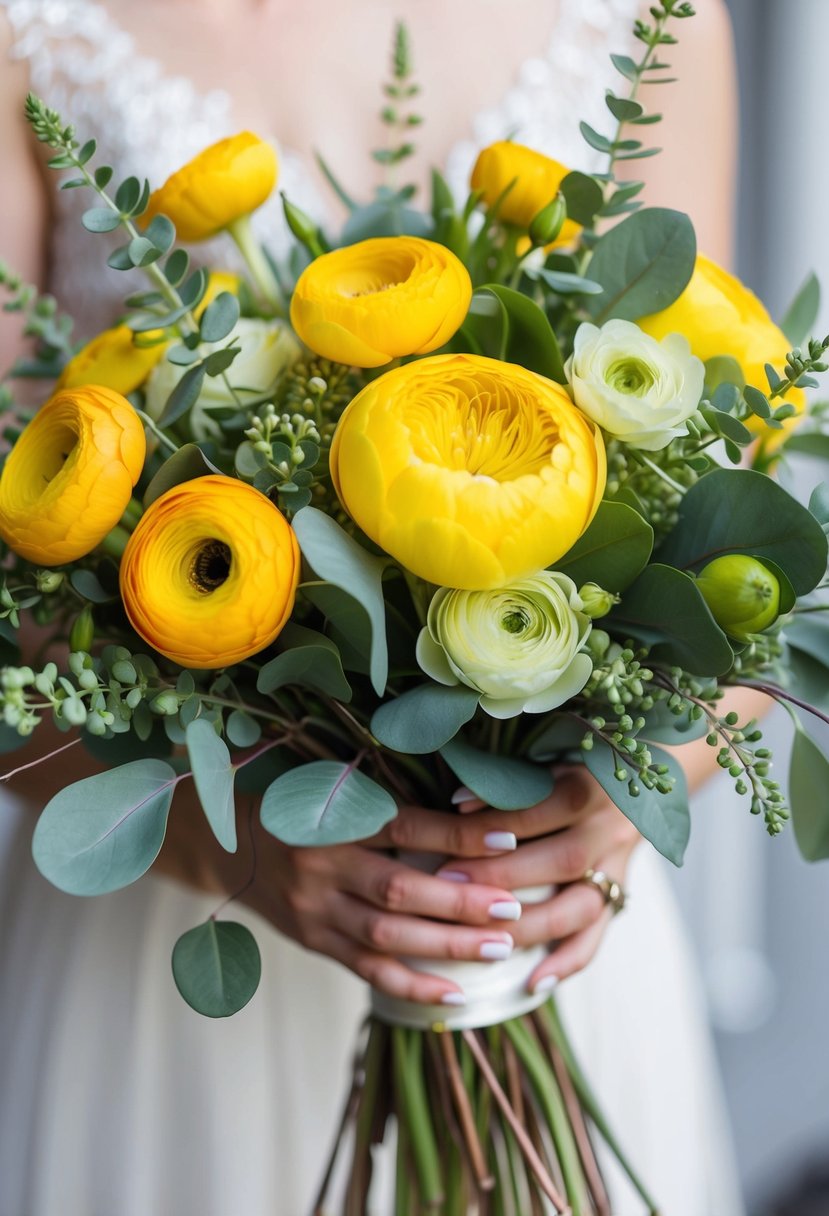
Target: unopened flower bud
x,y
742,593
596,601
48,581
302,226
82,633
547,224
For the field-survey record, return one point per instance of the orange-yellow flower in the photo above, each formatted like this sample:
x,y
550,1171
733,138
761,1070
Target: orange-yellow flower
x,y
536,181
210,573
226,181
472,473
114,360
70,475
380,299
720,316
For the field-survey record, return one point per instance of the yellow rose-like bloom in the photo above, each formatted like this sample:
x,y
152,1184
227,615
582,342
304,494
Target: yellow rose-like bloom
x,y
720,316
472,473
112,359
224,182
70,475
210,573
374,301
537,179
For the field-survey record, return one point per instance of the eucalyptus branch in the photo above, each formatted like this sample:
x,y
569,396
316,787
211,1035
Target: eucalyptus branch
x,y
800,364
51,328
394,115
49,129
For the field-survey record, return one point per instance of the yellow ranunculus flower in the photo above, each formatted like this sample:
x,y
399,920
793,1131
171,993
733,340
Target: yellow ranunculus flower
x,y
472,473
380,299
70,475
720,316
537,179
112,359
226,181
210,573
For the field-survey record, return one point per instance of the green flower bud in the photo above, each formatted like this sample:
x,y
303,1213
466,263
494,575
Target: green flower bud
x,y
742,593
547,224
596,601
302,226
165,703
82,633
48,581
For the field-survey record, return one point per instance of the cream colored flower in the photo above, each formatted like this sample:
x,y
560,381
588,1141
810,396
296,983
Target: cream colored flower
x,y
520,647
637,389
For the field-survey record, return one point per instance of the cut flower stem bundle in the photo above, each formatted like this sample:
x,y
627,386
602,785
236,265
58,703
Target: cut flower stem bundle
x,y
498,1121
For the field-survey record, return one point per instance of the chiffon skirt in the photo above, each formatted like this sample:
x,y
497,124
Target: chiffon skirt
x,y
116,1099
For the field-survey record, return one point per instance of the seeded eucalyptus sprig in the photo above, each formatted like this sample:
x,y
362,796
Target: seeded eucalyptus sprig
x,y
50,328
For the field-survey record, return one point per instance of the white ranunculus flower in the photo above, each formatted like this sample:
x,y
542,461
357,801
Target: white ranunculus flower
x,y
267,349
519,646
637,389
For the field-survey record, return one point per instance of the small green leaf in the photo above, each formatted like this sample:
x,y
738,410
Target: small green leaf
x,y
188,463
217,967
596,140
241,729
623,108
143,252
337,558
625,65
213,774
583,197
425,718
219,317
802,312
325,803
309,659
565,283
177,264
184,396
87,584
128,194
757,402
663,819
503,782
103,176
808,783
613,551
162,232
100,219
104,832
819,503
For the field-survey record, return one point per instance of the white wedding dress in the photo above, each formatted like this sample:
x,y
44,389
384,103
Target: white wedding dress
x,y
115,1098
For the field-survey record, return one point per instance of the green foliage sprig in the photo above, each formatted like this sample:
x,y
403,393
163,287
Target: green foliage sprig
x,y
397,115
50,328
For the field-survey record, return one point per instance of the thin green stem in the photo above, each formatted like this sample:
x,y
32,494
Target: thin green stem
x,y
156,430
242,233
669,481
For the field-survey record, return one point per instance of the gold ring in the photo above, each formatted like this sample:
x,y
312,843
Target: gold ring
x,y
611,891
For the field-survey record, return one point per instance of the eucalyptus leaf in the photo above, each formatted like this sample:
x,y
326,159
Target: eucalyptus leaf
x,y
213,774
309,659
808,783
565,283
337,558
219,317
819,503
503,782
663,819
242,729
665,609
325,803
582,196
613,551
425,718
188,463
102,833
560,734
802,313
516,330
184,396
644,263
217,967
742,511
87,584
100,219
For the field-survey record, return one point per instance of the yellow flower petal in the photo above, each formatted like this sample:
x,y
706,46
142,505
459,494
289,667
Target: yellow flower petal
x,y
69,476
536,179
210,574
469,471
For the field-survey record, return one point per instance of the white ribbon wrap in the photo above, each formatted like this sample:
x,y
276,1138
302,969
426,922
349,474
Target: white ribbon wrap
x,y
495,992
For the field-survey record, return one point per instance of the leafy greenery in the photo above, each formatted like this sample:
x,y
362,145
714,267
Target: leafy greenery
x,y
217,967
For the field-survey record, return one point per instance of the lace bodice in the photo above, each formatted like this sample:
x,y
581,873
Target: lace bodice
x,y
89,69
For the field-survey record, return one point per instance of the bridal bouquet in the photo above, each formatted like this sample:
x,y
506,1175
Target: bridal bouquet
x,y
449,498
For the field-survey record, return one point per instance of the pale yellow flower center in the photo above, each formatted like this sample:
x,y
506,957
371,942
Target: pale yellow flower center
x,y
480,428
631,375
374,277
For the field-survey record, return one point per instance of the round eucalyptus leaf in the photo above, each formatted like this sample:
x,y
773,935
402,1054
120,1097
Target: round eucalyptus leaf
x,y
503,782
241,729
424,719
613,551
324,803
104,832
663,819
217,967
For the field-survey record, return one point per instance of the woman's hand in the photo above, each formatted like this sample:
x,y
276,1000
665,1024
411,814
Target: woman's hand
x,y
588,833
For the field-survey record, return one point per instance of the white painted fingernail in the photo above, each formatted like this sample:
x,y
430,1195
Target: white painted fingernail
x,y
505,909
453,876
453,998
503,842
462,794
546,984
496,952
